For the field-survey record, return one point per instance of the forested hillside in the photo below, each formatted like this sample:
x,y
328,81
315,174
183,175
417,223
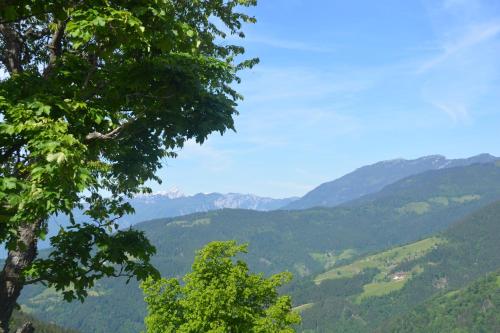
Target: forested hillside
x,y
304,242
475,308
154,206
361,295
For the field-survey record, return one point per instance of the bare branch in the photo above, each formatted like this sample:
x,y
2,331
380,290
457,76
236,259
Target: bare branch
x,y
92,70
106,136
112,134
26,328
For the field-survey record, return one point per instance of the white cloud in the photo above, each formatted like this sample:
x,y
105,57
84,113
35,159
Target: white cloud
x,y
455,110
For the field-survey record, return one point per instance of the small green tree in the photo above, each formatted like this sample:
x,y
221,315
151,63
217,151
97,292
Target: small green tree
x,y
219,295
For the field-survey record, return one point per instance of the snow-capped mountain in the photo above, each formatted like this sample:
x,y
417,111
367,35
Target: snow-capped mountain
x,y
174,193
174,203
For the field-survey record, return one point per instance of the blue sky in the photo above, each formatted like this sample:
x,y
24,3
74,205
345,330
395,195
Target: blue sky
x,y
342,84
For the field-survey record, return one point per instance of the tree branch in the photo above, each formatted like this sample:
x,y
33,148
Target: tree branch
x,y
55,47
110,135
93,63
106,136
26,328
9,152
12,52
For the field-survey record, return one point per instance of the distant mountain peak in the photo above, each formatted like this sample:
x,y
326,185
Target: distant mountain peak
x,y
432,157
174,202
173,193
372,178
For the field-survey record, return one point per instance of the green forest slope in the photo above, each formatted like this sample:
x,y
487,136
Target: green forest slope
x,y
365,293
304,242
475,308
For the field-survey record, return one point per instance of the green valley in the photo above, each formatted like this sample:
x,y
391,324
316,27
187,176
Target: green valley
x,y
307,242
367,292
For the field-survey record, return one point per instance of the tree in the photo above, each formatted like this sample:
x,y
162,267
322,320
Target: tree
x,y
93,95
219,295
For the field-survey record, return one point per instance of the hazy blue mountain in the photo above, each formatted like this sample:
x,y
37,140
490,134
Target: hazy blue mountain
x,y
174,203
372,178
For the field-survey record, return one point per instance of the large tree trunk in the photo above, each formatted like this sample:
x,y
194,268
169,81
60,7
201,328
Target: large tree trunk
x,y
11,279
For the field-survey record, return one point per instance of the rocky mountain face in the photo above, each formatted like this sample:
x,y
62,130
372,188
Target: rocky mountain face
x,y
174,203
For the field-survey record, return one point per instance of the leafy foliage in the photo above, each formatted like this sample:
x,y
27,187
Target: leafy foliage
x,y
97,94
219,295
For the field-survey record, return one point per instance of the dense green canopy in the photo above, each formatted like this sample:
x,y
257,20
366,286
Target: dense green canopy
x,y
219,295
93,96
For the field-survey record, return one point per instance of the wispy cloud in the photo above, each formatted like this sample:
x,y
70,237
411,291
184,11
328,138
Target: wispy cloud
x,y
450,4
465,66
475,35
283,103
457,111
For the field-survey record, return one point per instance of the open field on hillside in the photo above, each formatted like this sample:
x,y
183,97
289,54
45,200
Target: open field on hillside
x,y
383,261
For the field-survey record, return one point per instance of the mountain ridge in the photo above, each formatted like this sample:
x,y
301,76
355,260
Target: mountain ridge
x,y
154,206
374,177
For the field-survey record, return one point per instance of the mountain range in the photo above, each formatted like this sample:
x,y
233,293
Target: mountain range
x,y
174,203
315,241
372,178
365,180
